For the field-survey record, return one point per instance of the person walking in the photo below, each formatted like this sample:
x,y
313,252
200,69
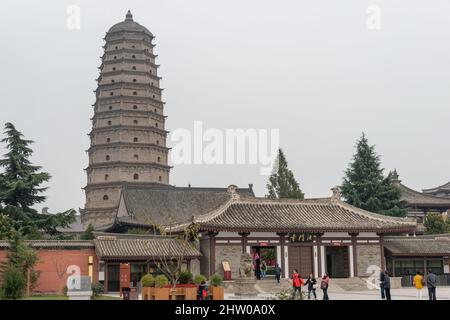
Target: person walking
x,y
297,283
277,273
202,291
312,285
418,283
431,285
387,285
324,286
383,296
263,269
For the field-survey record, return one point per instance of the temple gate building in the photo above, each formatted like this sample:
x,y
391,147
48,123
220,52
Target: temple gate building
x,y
128,137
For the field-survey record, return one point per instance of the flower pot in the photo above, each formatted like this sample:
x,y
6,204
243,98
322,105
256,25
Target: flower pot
x,y
217,293
161,293
147,293
190,293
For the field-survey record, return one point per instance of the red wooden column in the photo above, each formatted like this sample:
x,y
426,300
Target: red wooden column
x,y
383,260
244,236
282,244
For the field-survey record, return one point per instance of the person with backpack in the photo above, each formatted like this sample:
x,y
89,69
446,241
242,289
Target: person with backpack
x,y
418,282
202,292
312,285
297,283
431,285
383,296
277,273
387,285
324,286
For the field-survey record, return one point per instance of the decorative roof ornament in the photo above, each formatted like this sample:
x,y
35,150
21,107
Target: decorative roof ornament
x,y
336,195
234,195
129,16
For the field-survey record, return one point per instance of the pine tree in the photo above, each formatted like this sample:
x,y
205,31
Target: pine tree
x,y
88,234
282,183
20,188
365,186
435,224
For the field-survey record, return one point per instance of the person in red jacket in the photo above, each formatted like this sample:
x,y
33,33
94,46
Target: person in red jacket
x,y
297,283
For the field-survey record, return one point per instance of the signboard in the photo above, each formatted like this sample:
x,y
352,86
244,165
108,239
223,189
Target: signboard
x,y
226,266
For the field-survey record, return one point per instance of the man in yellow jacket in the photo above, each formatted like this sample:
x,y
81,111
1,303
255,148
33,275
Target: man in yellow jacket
x,y
418,283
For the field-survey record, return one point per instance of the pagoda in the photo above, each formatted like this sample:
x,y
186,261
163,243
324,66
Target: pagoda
x,y
128,136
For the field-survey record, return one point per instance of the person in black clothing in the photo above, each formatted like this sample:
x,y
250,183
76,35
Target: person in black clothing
x,y
278,273
387,285
202,292
312,283
431,285
383,296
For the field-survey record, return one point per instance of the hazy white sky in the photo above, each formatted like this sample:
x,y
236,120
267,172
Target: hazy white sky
x,y
310,68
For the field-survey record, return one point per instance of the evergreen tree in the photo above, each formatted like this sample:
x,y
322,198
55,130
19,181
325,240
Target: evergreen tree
x,y
435,224
282,183
88,234
365,186
6,228
20,188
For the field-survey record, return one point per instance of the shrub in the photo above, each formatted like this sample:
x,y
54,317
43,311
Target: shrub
x,y
199,279
97,290
148,281
216,280
185,277
161,281
14,284
64,290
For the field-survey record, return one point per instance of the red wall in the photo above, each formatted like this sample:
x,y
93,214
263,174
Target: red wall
x,y
52,265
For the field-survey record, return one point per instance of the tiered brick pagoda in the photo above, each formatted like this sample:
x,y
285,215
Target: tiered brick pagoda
x,y
128,137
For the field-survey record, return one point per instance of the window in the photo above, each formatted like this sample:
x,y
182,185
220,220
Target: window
x,y
136,157
134,93
106,177
159,159
160,178
153,96
134,68
105,198
114,68
112,81
155,110
135,121
109,122
157,141
111,93
156,125
133,56
110,107
115,57
117,47
135,107
134,80
108,158
135,139
151,71
108,140
136,176
133,46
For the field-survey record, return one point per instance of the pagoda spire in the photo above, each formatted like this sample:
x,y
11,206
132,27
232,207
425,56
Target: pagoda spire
x,y
129,16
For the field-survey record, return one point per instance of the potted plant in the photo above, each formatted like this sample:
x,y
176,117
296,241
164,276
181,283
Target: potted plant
x,y
148,282
161,290
185,287
216,288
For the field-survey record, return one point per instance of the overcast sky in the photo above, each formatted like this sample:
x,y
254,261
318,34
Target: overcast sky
x,y
312,69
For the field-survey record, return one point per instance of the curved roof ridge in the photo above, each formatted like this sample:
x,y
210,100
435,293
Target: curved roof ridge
x,y
422,195
263,200
211,215
444,186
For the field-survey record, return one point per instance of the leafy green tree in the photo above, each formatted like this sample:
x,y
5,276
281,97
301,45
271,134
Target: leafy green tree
x,y
6,228
365,186
435,224
282,183
20,189
88,234
17,271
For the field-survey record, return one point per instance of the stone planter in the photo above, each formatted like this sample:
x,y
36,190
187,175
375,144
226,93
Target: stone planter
x,y
147,293
218,293
161,293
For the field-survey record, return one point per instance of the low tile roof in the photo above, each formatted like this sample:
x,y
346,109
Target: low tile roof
x,y
54,244
444,187
137,247
167,205
416,198
418,246
320,215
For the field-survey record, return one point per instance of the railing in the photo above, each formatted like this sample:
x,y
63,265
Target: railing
x,y
442,280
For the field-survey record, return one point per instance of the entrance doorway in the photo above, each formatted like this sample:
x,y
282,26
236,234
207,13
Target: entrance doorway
x,y
337,262
113,277
300,258
267,255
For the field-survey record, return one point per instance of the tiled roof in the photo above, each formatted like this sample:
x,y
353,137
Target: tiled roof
x,y
168,205
418,246
141,247
128,25
415,198
74,227
445,187
49,244
260,214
